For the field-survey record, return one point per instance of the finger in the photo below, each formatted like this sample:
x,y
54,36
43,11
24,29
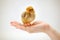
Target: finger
x,y
17,25
14,23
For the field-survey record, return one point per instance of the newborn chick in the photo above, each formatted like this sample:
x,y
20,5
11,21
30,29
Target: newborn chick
x,y
28,16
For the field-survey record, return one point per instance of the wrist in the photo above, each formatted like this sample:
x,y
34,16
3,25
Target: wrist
x,y
54,35
49,30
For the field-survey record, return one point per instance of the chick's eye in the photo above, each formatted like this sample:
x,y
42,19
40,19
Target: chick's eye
x,y
31,10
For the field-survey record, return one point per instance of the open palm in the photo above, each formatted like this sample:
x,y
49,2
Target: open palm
x,y
35,27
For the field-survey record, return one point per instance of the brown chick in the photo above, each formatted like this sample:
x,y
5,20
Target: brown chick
x,y
28,16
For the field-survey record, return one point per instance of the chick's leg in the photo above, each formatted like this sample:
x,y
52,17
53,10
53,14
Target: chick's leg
x,y
27,24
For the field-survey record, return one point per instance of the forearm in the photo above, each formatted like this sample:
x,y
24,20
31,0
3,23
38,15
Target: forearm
x,y
54,35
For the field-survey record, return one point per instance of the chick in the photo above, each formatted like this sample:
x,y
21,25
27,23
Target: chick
x,y
28,16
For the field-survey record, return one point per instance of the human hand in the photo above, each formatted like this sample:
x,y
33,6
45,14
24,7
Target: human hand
x,y
35,27
38,27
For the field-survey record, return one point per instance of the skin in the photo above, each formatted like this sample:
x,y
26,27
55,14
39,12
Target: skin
x,y
38,26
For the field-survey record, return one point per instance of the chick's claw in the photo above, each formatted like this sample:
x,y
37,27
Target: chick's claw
x,y
27,24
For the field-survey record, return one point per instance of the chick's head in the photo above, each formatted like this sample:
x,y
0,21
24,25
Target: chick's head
x,y
29,9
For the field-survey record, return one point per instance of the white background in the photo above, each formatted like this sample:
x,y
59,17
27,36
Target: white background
x,y
11,10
